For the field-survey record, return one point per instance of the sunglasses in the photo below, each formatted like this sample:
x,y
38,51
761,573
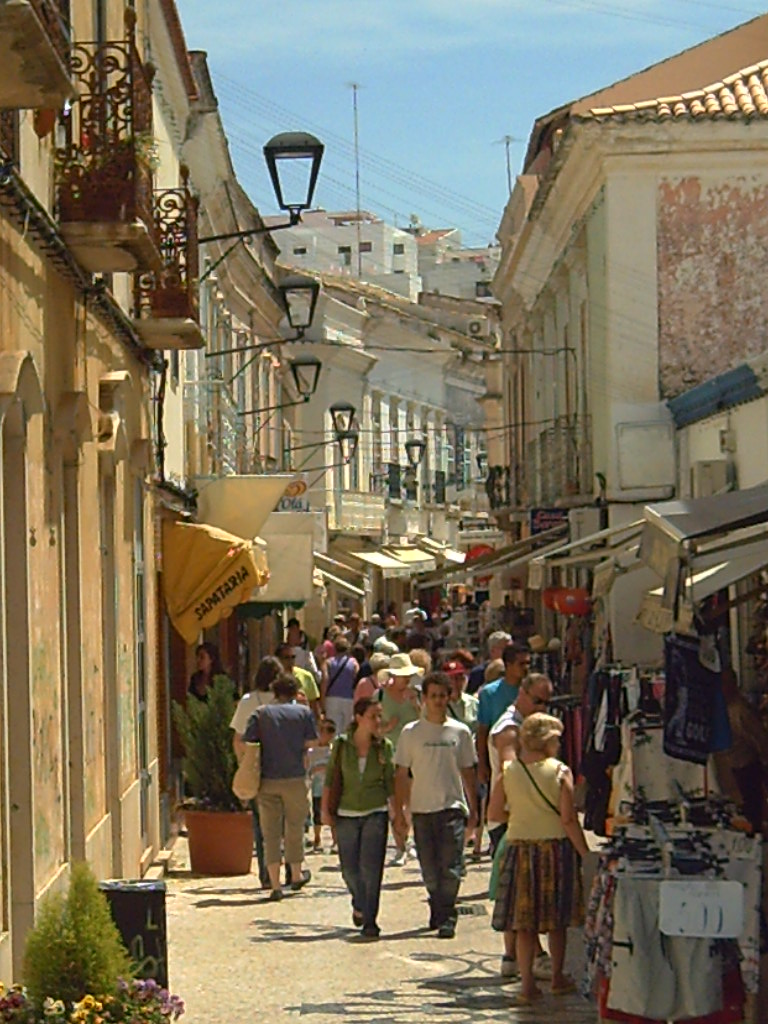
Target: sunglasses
x,y
539,702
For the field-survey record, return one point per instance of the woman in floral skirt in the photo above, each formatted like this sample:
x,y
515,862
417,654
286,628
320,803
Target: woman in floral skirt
x,y
539,887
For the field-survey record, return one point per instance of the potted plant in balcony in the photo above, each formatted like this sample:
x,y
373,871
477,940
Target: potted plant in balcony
x,y
100,184
219,831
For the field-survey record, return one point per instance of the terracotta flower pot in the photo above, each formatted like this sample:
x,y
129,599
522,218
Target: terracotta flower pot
x,y
220,842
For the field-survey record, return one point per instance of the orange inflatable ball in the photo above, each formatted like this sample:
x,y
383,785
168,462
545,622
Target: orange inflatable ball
x,y
573,601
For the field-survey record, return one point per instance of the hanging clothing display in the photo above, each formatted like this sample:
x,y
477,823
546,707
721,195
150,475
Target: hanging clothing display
x,y
693,716
702,978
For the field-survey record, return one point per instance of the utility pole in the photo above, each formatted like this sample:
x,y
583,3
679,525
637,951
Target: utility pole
x,y
354,86
507,140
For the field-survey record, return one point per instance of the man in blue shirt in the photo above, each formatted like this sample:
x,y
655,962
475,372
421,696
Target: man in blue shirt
x,y
496,697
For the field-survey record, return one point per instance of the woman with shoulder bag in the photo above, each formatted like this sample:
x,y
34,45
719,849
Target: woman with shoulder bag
x,y
338,687
539,886
359,785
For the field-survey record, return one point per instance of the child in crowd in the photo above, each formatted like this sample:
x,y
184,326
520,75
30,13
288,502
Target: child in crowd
x,y
317,761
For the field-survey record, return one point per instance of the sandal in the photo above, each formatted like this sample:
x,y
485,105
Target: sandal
x,y
566,989
534,997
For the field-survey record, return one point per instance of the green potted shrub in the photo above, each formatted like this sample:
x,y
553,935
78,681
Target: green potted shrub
x,y
219,830
76,968
74,947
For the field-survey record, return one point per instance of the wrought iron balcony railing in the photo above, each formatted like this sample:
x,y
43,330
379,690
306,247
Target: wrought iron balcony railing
x,y
211,413
54,16
9,135
559,462
166,300
104,170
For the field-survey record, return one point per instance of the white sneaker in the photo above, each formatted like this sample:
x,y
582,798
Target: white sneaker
x,y
542,967
411,853
398,860
508,967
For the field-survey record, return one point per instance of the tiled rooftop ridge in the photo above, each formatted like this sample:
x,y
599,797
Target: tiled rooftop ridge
x,y
741,96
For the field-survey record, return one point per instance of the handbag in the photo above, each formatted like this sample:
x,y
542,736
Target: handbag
x,y
543,796
247,780
337,781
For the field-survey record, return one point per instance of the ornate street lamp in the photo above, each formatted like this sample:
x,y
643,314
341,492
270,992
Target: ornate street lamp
x,y
347,442
298,153
414,450
304,152
300,298
305,371
343,416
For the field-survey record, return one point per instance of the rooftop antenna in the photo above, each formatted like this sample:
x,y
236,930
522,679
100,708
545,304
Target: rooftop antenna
x,y
507,141
354,86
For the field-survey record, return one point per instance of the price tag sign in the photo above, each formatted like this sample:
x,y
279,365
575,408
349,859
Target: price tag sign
x,y
705,909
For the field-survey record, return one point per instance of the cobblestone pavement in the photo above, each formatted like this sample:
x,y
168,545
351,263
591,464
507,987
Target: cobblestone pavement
x,y
234,956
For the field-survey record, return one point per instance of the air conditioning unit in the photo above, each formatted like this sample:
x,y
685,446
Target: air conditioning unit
x,y
709,476
478,328
584,521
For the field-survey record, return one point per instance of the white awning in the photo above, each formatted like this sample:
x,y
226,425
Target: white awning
x,y
291,538
391,567
441,550
419,560
586,551
240,504
508,557
714,572
342,584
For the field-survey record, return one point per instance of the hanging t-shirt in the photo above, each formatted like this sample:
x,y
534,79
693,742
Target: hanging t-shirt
x,y
689,702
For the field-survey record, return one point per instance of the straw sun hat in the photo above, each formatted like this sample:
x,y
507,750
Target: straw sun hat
x,y
401,665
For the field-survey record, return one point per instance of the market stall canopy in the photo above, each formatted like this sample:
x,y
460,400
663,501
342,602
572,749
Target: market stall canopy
x,y
392,565
675,527
240,504
349,588
329,568
206,573
717,565
509,557
609,552
442,550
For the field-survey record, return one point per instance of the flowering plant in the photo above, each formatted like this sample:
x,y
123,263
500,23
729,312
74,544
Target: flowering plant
x,y
134,1002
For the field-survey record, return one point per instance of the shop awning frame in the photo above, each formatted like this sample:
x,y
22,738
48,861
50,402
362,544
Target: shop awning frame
x,y
509,557
701,545
390,566
350,588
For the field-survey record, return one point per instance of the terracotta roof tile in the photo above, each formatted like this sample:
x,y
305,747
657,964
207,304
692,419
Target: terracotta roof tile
x,y
742,95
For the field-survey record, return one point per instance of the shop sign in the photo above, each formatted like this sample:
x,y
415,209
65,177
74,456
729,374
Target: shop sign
x,y
295,497
701,909
543,519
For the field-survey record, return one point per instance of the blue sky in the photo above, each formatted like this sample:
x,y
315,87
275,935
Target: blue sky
x,y
441,83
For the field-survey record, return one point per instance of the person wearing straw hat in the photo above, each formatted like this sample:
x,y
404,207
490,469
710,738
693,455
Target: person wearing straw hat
x,y
399,706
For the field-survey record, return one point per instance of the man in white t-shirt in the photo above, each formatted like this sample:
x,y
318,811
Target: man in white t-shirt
x,y
439,753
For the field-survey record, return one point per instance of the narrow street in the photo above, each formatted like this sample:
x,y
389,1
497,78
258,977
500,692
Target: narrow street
x,y
234,956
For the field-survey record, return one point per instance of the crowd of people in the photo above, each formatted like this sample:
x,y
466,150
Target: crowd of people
x,y
391,731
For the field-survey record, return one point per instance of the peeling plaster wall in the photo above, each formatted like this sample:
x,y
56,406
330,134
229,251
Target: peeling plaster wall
x,y
713,303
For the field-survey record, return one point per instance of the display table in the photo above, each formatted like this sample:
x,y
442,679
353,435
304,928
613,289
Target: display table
x,y
673,924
